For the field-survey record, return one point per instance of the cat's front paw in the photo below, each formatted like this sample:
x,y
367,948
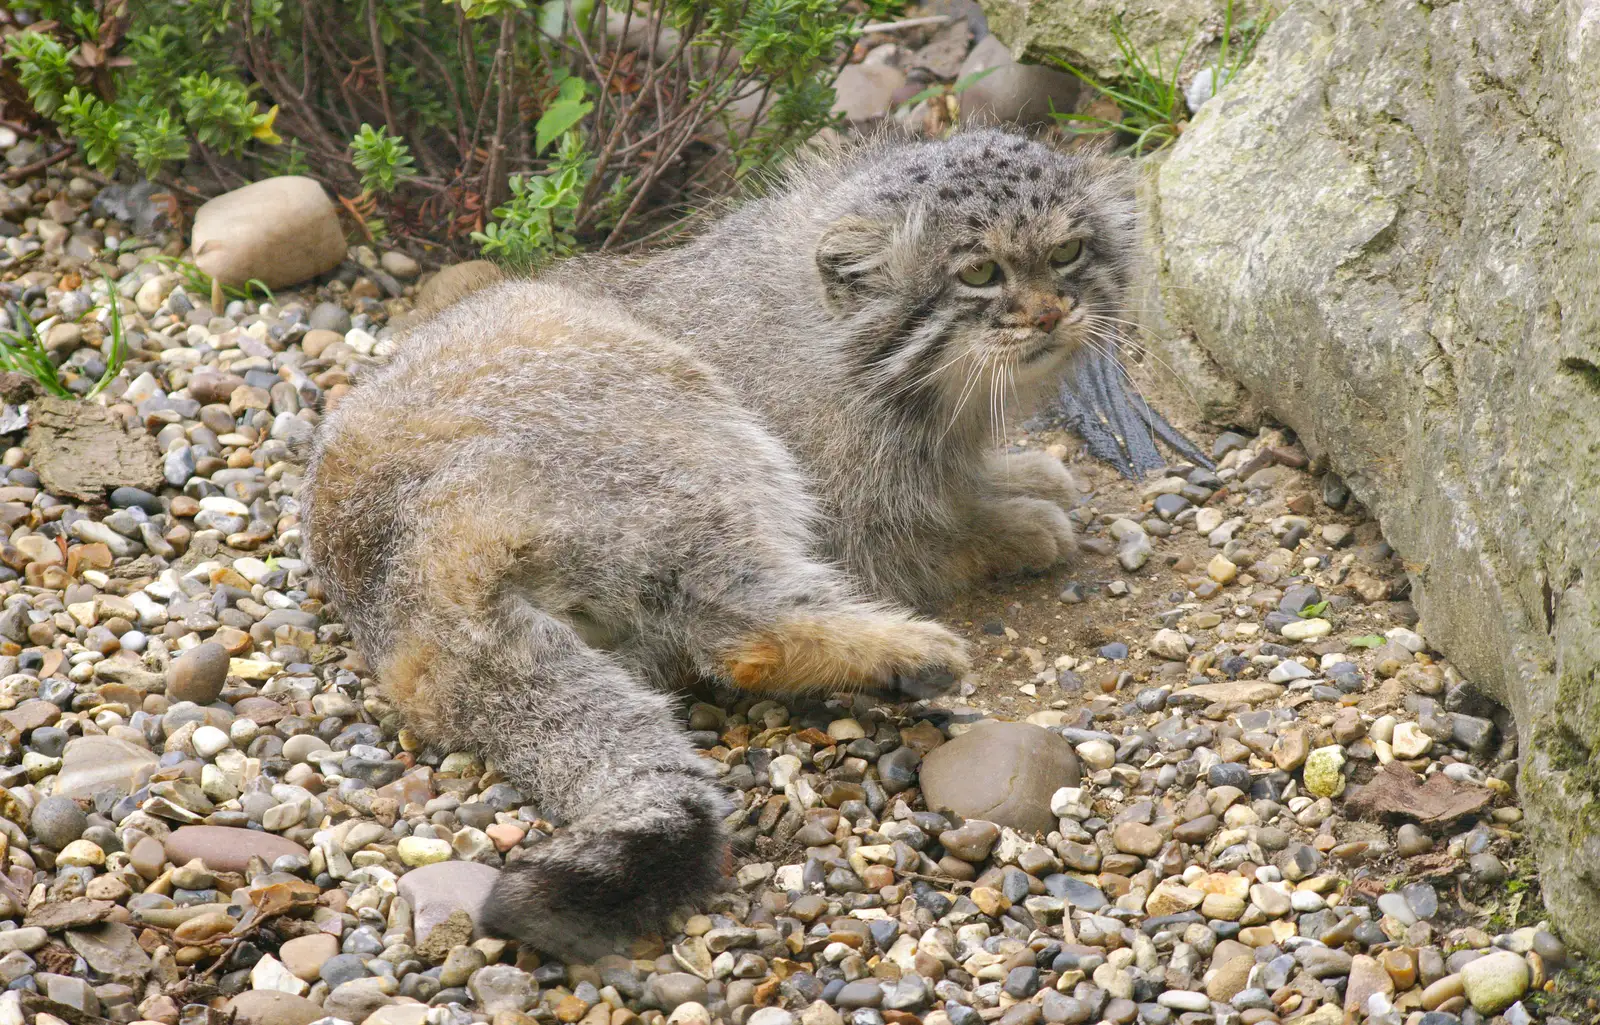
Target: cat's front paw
x,y
1032,474
1027,535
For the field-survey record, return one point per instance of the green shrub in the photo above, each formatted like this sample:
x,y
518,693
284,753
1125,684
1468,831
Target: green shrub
x,y
1152,104
529,127
384,162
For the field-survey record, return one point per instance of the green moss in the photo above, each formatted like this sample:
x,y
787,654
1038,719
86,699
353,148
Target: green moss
x,y
1571,993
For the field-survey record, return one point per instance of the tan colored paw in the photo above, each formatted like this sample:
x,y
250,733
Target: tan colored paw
x,y
883,651
1033,474
1032,535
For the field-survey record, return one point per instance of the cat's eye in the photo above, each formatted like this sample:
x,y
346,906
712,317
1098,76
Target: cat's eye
x,y
1066,252
979,274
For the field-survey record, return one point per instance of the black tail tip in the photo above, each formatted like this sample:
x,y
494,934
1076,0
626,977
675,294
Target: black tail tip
x,y
588,891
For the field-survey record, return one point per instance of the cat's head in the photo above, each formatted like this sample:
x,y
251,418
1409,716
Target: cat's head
x,y
974,267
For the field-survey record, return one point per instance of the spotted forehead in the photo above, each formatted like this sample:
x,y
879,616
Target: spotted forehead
x,y
981,180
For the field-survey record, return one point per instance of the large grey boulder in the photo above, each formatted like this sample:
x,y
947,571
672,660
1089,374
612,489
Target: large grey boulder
x,y
1387,229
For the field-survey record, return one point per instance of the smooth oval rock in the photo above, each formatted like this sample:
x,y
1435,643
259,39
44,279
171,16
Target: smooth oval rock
x,y
434,891
1495,981
1002,772
279,231
227,848
1013,92
57,822
304,956
198,674
92,764
271,1007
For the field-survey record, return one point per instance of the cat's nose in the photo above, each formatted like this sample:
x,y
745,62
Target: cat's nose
x,y
1048,317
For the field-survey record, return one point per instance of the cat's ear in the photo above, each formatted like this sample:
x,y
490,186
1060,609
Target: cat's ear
x,y
850,255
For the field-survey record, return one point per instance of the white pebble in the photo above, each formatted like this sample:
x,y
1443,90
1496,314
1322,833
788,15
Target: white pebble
x,y
253,570
784,769
1306,629
1461,772
225,505
1288,670
416,851
1407,639
1097,755
208,740
1170,644
270,974
1184,1000
1410,742
81,854
1065,801
360,341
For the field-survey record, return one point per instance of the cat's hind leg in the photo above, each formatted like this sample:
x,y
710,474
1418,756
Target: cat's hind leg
x,y
798,627
591,745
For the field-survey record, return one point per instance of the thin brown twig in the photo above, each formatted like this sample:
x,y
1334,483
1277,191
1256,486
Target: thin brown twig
x,y
465,46
583,44
380,66
493,188
619,130
267,71
455,95
941,880
483,111
677,226
334,63
19,173
896,26
305,57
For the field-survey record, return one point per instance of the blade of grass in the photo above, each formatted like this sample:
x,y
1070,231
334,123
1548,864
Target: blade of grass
x,y
119,345
1122,99
22,352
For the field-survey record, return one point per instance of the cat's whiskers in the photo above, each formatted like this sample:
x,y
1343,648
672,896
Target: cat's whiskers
x,y
1112,339
1106,346
1135,344
966,392
970,388
929,377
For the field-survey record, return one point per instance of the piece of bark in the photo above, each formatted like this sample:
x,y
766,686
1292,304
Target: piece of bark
x,y
1398,793
81,450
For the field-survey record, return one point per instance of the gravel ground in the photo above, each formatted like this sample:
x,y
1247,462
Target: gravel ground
x,y
1237,784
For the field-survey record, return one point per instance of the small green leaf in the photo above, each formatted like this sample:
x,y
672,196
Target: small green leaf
x,y
1313,611
552,17
968,81
1369,641
572,89
558,119
926,94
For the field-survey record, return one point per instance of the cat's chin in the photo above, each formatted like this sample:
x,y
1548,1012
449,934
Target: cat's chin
x,y
1048,350
1040,366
